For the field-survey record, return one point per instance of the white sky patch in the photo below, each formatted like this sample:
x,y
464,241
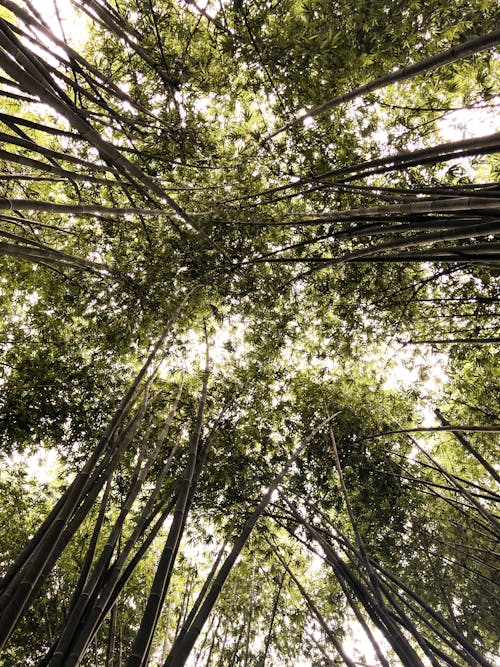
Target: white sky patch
x,y
357,645
469,123
75,26
43,465
316,563
202,104
309,122
226,342
427,373
407,368
209,8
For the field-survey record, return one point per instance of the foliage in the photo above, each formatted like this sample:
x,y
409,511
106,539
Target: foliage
x,y
229,315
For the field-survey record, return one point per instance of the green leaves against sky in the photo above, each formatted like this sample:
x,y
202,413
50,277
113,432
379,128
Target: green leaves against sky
x,y
249,305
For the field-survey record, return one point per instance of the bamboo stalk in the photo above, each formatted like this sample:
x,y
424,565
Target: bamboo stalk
x,y
42,545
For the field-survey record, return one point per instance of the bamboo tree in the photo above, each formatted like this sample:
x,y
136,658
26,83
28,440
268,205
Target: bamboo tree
x,y
340,568
144,637
204,589
89,209
320,618
34,79
378,614
153,119
42,547
180,651
274,611
26,581
86,615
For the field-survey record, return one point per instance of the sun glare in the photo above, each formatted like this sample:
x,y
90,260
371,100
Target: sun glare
x,y
64,20
468,123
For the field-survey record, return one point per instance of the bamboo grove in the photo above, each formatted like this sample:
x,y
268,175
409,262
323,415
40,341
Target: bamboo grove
x,y
249,315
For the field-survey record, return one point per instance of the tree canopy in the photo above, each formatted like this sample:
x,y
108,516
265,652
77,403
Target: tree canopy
x,y
249,304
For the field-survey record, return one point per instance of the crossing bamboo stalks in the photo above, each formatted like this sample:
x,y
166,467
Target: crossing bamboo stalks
x,y
22,589
314,609
431,155
82,65
56,170
378,614
326,536
33,77
30,145
206,585
142,643
400,161
123,32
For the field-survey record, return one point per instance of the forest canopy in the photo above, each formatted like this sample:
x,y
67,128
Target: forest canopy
x,y
249,330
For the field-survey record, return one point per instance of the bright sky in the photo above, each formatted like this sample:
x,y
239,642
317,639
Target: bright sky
x,y
467,123
74,24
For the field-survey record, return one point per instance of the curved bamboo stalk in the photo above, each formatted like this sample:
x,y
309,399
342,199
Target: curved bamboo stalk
x,y
472,450
78,209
